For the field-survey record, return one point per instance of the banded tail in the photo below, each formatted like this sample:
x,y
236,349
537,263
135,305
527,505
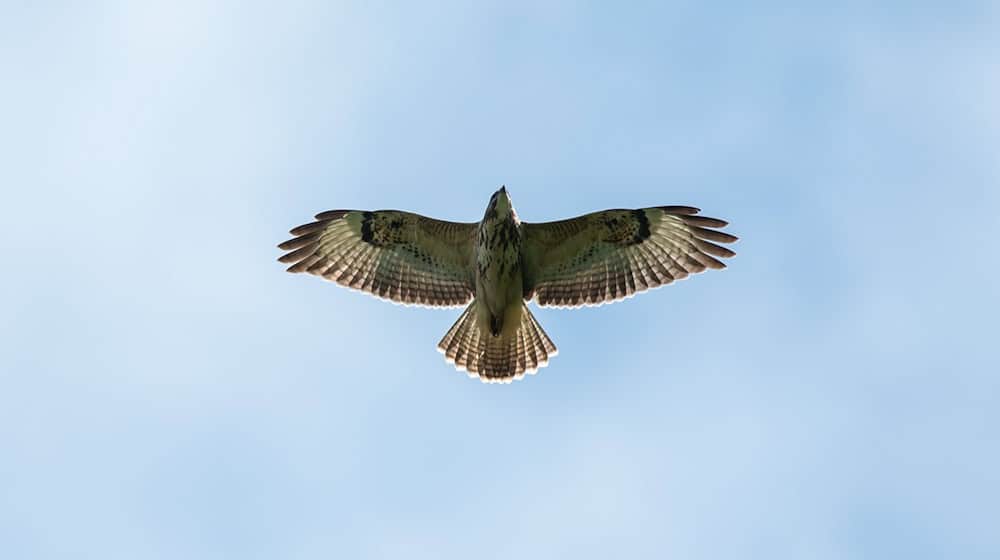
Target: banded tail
x,y
496,359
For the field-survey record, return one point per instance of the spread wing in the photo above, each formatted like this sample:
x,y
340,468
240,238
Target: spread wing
x,y
399,256
610,255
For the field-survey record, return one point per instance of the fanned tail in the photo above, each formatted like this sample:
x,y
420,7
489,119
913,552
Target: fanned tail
x,y
497,359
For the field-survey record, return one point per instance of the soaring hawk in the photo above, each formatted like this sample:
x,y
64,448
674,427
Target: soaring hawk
x,y
495,266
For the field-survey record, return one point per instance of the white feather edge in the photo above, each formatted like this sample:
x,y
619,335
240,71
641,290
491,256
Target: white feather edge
x,y
394,302
617,299
506,380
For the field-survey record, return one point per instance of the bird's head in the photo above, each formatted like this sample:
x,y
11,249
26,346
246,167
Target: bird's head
x,y
500,207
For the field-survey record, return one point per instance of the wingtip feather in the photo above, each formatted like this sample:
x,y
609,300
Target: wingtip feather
x,y
332,214
680,210
704,221
713,235
311,227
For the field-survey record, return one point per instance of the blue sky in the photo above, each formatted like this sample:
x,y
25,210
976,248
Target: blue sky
x,y
169,392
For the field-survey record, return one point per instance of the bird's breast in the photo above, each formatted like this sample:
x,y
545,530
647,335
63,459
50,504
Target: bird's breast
x,y
498,264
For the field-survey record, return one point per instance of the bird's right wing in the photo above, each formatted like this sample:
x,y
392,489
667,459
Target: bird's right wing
x,y
400,256
606,256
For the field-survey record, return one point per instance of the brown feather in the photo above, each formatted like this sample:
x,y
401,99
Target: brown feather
x,y
713,235
683,210
297,242
310,227
714,249
300,253
704,221
332,214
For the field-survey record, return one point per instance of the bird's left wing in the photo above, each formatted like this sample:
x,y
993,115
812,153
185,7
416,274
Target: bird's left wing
x,y
606,256
399,256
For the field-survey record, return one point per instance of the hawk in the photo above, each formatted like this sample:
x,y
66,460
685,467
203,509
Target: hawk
x,y
495,266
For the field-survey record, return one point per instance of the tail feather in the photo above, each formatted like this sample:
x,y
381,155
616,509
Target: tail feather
x,y
528,347
522,362
451,343
546,342
496,359
470,342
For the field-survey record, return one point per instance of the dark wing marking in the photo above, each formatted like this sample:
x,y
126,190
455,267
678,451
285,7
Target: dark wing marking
x,y
399,256
610,255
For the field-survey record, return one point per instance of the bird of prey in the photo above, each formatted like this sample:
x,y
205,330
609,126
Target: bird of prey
x,y
495,266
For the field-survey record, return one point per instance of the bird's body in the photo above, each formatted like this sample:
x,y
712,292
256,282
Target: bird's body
x,y
496,265
499,281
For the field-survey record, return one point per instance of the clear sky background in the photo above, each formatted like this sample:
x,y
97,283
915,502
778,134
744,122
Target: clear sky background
x,y
167,391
